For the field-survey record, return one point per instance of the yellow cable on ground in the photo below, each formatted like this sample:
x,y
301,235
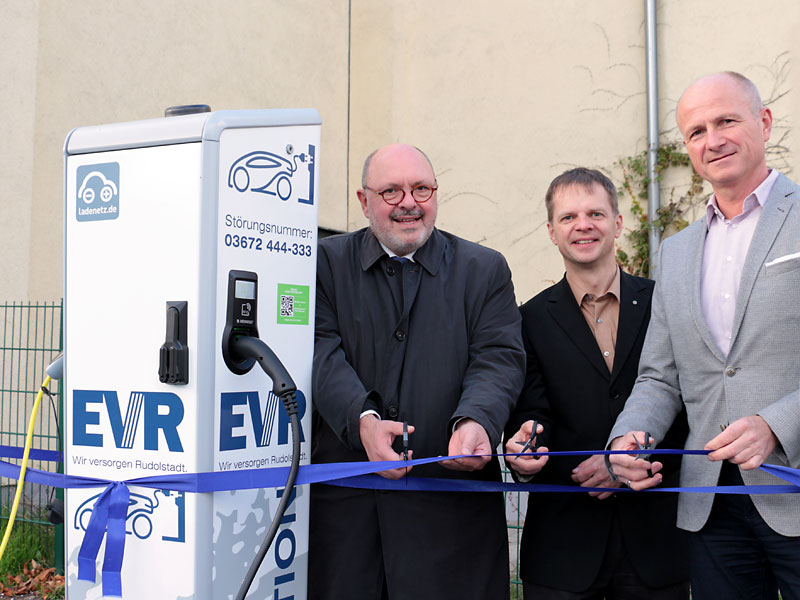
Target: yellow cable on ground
x,y
23,468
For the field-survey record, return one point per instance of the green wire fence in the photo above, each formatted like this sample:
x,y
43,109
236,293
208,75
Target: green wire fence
x,y
32,337
516,503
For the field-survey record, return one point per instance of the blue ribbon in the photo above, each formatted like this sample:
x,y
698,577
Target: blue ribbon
x,y
34,454
432,484
115,540
785,473
95,531
110,510
338,473
108,520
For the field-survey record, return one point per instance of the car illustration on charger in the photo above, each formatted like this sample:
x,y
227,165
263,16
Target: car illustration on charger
x,y
140,509
266,173
106,188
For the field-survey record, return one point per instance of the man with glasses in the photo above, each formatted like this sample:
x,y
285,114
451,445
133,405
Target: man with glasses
x,y
413,326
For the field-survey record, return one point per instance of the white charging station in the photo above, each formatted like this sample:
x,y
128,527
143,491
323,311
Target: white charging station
x,y
166,220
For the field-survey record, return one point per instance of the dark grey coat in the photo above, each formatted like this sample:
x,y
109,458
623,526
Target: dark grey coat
x,y
427,342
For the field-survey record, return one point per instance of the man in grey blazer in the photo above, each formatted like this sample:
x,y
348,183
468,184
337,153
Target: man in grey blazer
x,y
724,341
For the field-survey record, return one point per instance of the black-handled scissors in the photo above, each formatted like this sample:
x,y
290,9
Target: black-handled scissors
x,y
530,443
405,441
405,447
646,446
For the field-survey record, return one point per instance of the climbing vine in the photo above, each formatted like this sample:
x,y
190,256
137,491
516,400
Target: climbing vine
x,y
671,215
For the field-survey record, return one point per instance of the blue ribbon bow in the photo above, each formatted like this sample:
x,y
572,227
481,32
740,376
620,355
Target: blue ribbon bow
x,y
107,520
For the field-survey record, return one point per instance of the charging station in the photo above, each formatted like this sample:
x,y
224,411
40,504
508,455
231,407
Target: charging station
x,y
180,233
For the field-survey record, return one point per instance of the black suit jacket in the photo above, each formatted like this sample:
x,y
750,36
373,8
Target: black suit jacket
x,y
569,389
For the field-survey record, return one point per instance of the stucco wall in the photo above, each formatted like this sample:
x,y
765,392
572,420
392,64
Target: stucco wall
x,y
503,96
19,30
100,61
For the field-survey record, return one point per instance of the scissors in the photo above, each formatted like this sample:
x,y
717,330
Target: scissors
x,y
404,453
646,446
530,443
405,441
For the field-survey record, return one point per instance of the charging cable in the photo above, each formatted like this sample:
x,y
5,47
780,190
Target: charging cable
x,y
24,467
54,370
249,347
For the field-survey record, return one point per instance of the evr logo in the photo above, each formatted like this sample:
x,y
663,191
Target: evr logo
x,y
263,421
146,404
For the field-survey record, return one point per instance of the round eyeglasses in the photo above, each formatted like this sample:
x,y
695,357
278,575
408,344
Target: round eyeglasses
x,y
394,195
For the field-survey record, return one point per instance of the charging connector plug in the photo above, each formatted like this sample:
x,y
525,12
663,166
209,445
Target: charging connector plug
x,y
173,356
244,347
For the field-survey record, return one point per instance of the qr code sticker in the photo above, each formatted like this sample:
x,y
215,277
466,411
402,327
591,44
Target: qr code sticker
x,y
287,306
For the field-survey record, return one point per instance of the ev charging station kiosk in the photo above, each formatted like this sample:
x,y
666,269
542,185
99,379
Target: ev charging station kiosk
x,y
171,226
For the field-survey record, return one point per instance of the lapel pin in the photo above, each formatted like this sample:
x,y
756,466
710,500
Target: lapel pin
x,y
636,302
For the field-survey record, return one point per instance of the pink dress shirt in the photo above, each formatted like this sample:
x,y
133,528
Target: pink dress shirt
x,y
727,243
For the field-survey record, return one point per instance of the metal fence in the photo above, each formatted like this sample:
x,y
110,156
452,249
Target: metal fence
x,y
516,504
32,336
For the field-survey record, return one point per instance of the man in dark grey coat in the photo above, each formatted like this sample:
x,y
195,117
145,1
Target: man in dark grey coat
x,y
433,341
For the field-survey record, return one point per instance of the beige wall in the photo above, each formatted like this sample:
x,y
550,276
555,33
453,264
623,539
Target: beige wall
x,y
503,96
101,61
19,32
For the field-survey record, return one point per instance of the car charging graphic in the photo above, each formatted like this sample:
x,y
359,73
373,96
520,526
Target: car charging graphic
x,y
272,174
97,194
141,509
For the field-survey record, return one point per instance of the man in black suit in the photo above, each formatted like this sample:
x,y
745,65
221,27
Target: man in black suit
x,y
583,337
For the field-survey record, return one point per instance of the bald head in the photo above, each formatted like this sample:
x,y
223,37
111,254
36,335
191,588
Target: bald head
x,y
700,87
390,148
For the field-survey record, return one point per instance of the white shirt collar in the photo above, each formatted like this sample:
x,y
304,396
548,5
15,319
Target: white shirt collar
x,y
758,195
391,254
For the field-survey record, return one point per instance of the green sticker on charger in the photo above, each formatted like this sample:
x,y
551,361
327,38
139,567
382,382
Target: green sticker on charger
x,y
292,304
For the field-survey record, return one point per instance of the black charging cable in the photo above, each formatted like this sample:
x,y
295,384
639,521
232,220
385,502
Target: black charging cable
x,y
55,506
248,347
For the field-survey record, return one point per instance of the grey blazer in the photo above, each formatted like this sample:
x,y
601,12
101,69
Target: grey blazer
x,y
680,361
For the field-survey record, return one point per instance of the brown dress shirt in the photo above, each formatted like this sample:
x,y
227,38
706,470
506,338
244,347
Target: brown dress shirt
x,y
602,315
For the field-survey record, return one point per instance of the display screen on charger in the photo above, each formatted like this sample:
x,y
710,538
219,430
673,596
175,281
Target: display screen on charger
x,y
245,290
